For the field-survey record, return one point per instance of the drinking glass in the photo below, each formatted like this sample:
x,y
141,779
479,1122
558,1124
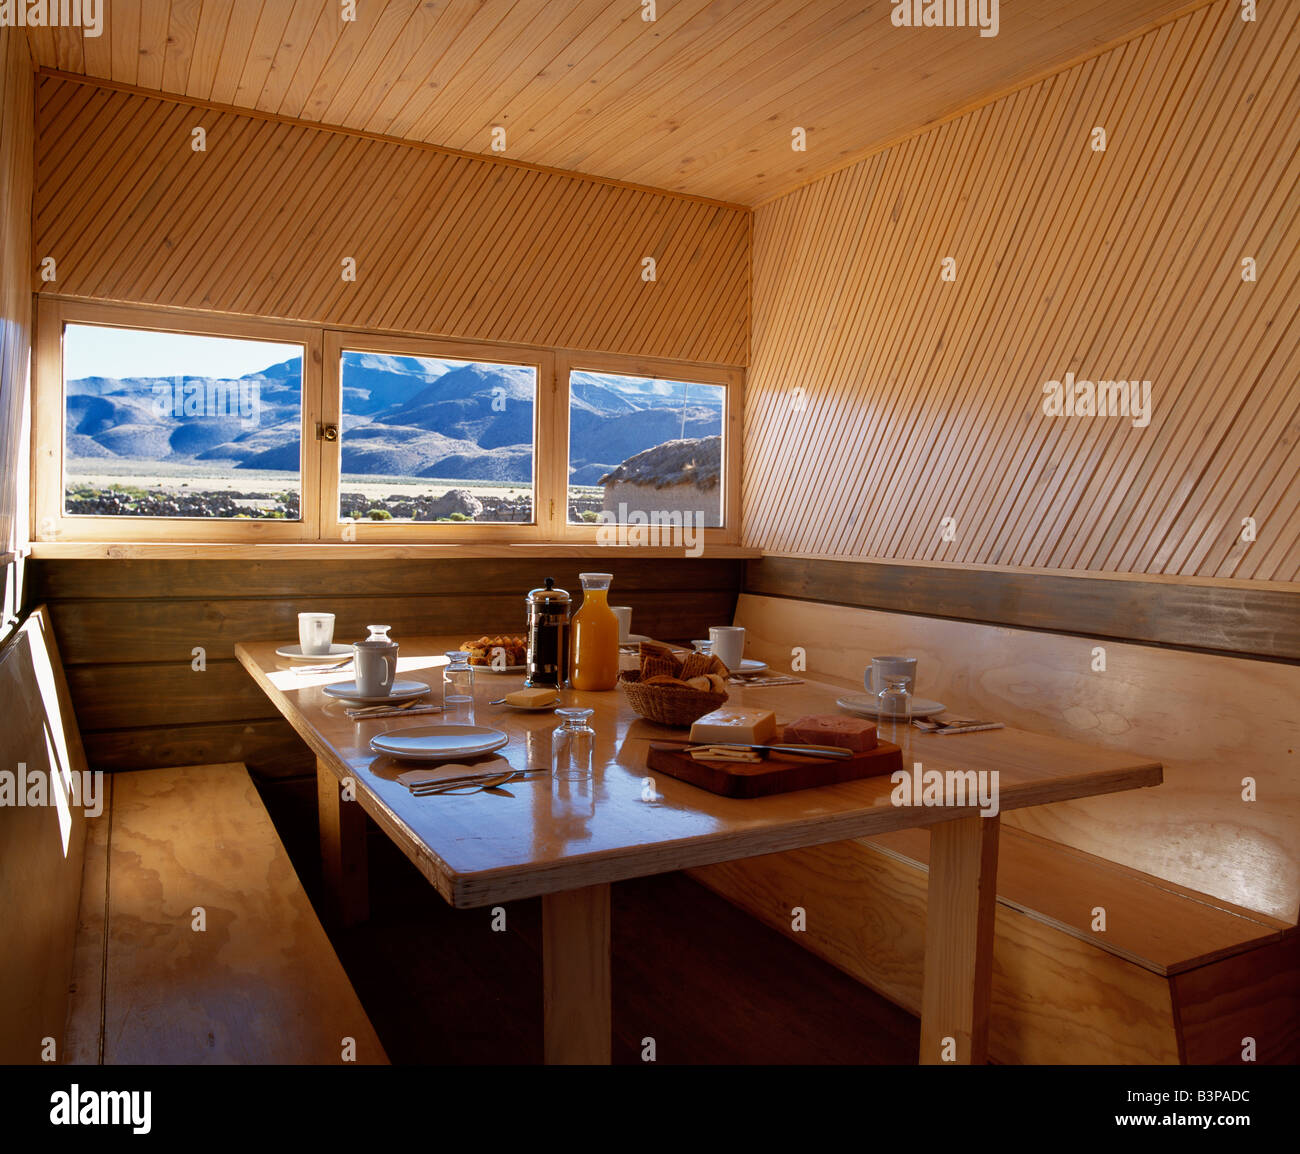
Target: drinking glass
x,y
894,711
458,689
571,745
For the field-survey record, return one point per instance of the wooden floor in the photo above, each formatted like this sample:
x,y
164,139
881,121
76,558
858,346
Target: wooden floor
x,y
707,982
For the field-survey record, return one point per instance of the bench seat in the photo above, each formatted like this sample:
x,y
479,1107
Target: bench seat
x,y
259,984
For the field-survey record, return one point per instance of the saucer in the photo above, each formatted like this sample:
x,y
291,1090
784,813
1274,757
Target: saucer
x,y
401,691
295,653
865,706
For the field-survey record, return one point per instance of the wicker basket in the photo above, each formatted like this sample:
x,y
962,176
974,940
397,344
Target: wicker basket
x,y
667,704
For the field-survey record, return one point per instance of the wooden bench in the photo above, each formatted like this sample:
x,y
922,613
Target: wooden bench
x,y
1182,972
170,928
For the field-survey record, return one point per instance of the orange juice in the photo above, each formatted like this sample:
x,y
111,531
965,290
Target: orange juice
x,y
594,636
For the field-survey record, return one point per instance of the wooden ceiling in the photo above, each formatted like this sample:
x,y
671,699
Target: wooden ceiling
x,y
702,100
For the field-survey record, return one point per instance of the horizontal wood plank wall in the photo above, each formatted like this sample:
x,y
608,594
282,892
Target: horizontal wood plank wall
x,y
261,222
128,629
15,310
1245,619
1211,720
921,398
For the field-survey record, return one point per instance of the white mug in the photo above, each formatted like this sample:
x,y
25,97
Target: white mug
x,y
727,643
624,615
315,633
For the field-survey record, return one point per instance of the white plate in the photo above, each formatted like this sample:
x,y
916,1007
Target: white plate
x,y
749,667
533,708
295,653
401,691
865,706
438,742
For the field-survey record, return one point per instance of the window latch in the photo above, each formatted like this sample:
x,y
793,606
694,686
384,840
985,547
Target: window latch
x,y
327,432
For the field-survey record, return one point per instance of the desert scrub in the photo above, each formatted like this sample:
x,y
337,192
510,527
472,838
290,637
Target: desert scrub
x,y
379,515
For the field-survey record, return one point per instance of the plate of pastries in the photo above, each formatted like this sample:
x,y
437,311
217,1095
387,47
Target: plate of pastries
x,y
504,653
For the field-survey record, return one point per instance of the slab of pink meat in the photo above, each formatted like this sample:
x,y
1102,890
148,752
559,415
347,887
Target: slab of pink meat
x,y
833,729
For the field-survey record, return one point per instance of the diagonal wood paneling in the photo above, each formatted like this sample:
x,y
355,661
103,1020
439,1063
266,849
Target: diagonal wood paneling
x,y
15,303
922,399
261,221
700,99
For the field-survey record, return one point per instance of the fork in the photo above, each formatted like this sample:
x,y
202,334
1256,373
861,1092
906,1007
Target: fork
x,y
473,784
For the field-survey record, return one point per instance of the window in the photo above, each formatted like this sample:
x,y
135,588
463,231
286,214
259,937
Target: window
x,y
436,439
158,425
175,425
644,447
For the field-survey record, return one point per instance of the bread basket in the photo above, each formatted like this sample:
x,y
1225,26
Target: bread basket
x,y
667,704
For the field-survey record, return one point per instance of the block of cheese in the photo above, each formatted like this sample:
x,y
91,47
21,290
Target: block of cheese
x,y
533,698
730,724
833,729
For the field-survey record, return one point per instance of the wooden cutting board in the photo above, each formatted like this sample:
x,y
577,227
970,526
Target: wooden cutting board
x,y
777,773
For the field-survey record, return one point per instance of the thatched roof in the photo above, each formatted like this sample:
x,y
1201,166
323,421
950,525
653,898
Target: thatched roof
x,y
695,462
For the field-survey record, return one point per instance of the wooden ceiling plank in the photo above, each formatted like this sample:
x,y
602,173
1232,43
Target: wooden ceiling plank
x,y
122,31
451,56
471,104
182,29
209,44
155,18
272,20
370,64
448,23
241,33
328,52
297,33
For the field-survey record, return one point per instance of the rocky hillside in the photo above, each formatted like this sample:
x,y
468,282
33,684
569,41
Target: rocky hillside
x,y
403,417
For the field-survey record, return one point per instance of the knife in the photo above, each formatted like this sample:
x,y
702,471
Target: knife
x,y
828,751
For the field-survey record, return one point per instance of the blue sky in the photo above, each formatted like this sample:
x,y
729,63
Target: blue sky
x,y
93,351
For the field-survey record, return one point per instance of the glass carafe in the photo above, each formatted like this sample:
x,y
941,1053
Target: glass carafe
x,y
595,636
571,746
458,689
894,711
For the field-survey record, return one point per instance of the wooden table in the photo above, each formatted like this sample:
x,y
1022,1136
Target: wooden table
x,y
567,845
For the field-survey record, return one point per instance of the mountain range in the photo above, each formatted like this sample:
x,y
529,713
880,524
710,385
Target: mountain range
x,y
402,416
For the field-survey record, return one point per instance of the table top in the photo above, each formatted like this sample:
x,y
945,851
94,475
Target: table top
x,y
540,836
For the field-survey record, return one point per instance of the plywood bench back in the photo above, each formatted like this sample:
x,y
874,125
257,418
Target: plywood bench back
x,y
41,844
1211,720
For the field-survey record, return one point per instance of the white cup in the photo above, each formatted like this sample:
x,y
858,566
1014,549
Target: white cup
x,y
315,633
727,643
624,615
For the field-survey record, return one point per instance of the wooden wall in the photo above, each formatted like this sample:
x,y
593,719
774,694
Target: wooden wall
x,y
260,222
15,310
922,398
127,631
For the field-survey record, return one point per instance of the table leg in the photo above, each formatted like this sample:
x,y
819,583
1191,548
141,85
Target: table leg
x,y
961,902
575,977
342,850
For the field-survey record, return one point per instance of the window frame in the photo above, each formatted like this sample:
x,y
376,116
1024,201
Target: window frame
x,y
51,523
322,405
336,341
622,364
